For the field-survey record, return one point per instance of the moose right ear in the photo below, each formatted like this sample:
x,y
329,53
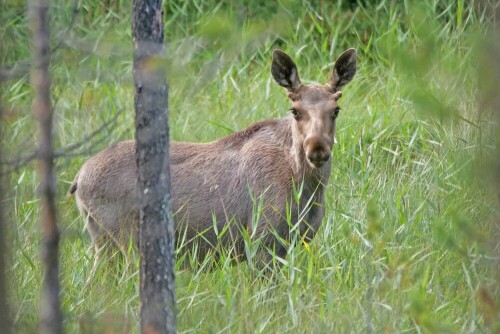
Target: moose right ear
x,y
343,70
285,71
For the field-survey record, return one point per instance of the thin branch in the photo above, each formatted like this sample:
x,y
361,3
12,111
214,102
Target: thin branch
x,y
22,67
64,152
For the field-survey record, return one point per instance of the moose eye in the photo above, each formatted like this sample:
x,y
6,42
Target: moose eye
x,y
336,112
295,113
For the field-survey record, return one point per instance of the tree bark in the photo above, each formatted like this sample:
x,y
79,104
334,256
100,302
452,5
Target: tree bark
x,y
5,323
50,312
156,232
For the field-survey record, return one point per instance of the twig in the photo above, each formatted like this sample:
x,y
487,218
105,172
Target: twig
x,y
65,152
22,67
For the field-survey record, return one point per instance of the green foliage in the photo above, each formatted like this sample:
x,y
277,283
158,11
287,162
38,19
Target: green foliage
x,y
408,242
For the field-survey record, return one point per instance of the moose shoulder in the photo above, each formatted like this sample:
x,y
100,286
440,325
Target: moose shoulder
x,y
217,186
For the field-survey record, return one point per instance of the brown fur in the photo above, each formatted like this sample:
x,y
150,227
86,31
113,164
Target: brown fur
x,y
221,180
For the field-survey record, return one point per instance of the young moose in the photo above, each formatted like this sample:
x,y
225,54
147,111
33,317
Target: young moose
x,y
215,185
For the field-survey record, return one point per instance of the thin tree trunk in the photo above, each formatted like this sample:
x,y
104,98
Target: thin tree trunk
x,y
50,312
156,236
5,324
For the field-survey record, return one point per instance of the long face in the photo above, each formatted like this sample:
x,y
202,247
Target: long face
x,y
315,110
314,107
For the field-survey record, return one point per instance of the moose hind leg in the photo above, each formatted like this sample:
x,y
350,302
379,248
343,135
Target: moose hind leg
x,y
93,230
98,238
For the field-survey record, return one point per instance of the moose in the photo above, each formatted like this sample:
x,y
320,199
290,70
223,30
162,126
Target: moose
x,y
216,185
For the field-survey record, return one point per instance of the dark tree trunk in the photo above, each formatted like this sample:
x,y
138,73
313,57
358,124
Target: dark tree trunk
x,y
156,235
50,312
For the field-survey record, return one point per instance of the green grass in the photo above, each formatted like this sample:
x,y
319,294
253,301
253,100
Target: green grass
x,y
408,241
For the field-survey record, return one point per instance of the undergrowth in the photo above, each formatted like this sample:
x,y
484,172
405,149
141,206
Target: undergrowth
x,y
409,237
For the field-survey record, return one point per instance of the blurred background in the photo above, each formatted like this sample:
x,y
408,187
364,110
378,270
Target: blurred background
x,y
410,241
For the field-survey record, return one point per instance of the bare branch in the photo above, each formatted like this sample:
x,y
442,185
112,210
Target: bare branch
x,y
66,151
22,67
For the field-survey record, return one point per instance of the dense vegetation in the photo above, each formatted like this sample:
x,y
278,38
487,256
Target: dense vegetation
x,y
409,239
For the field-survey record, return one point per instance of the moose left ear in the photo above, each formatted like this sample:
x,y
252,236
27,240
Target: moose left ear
x,y
343,70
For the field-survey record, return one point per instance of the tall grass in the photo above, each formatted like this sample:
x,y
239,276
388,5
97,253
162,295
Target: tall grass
x,y
409,239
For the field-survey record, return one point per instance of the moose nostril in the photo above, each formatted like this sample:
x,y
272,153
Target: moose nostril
x,y
314,156
318,158
317,151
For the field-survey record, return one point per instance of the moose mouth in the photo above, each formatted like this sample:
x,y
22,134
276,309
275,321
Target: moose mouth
x,y
318,161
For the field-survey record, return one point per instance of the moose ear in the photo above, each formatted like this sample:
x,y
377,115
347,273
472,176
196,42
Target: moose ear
x,y
285,71
343,70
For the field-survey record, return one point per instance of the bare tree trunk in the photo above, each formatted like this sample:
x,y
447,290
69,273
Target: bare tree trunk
x,y
156,235
5,324
50,312
4,310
